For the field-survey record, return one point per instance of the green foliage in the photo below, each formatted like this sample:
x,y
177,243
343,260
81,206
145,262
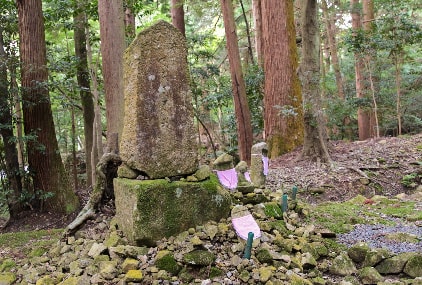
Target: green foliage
x,y
411,180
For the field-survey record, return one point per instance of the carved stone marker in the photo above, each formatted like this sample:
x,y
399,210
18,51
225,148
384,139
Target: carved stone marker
x,y
159,141
259,164
159,138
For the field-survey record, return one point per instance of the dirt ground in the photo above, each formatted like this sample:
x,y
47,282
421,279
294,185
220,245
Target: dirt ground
x,y
371,167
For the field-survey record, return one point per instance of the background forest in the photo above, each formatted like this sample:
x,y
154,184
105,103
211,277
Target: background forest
x,y
368,80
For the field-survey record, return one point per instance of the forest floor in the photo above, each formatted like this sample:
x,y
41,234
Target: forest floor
x,y
385,166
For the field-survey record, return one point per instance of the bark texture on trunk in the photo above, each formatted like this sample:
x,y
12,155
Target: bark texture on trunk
x,y
315,138
243,115
283,116
44,158
82,75
112,35
178,15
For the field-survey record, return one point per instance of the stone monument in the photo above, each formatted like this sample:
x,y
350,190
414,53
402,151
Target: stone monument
x,y
160,190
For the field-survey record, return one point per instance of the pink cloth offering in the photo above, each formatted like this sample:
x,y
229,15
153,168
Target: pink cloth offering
x,y
265,163
228,178
244,225
248,176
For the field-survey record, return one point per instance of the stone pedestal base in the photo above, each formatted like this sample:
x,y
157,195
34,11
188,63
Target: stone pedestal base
x,y
148,210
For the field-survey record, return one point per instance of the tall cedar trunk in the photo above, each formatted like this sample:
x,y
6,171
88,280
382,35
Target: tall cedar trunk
x,y
112,34
314,145
257,16
364,125
43,151
243,115
82,74
6,131
283,117
178,15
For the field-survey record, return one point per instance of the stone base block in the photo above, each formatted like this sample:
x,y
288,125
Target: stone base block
x,y
148,210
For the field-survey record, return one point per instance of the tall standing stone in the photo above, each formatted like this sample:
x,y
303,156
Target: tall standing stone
x,y
259,154
159,138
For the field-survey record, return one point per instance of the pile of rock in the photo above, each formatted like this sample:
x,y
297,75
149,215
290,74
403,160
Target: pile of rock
x,y
288,252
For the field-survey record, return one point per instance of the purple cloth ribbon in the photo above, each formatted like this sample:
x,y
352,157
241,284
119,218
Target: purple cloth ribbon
x,y
228,178
265,163
244,225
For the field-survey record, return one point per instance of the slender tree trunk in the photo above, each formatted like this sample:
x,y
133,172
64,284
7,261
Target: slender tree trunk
x,y
18,117
370,56
82,74
257,15
331,36
243,115
6,131
112,36
178,15
130,22
248,33
283,116
97,142
315,137
364,125
44,158
397,65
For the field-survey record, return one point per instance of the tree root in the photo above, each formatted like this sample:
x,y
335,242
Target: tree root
x,y
106,170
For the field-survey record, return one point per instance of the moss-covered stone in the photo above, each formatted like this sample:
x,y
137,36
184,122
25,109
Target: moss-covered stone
x,y
343,265
199,257
46,280
129,264
133,276
375,256
358,251
149,210
7,264
7,278
369,275
413,267
298,280
395,264
168,263
264,256
70,281
215,272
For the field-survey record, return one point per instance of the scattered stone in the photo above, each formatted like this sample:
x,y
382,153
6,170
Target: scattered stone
x,y
129,264
223,162
343,265
133,276
97,249
413,267
375,256
395,264
358,252
369,275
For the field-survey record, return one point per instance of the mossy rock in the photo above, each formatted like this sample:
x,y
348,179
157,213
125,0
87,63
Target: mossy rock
x,y
369,275
199,257
7,264
413,267
149,210
169,264
215,272
7,278
264,256
358,251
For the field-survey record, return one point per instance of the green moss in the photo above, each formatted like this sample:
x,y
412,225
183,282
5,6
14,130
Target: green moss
x,y
215,272
7,264
402,237
38,251
32,238
273,210
169,264
264,256
199,257
7,278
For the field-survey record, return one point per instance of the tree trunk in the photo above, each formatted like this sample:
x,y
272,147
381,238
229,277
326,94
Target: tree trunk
x,y
82,74
370,78
129,22
315,137
243,115
6,131
364,125
283,116
248,33
331,35
112,36
256,9
97,142
178,15
44,158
